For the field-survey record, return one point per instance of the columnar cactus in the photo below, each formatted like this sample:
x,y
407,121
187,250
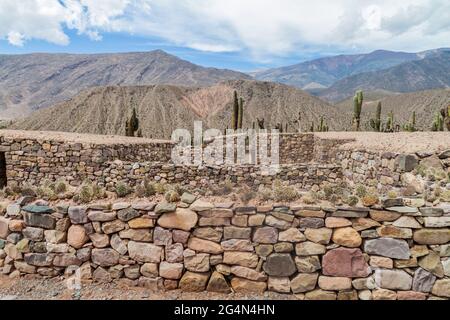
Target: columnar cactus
x,y
446,116
411,126
240,113
322,127
389,126
376,123
235,114
438,123
357,108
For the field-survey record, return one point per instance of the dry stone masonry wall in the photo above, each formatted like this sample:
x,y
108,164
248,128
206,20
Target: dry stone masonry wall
x,y
306,160
398,250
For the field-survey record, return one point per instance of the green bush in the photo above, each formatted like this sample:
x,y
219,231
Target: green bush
x,y
123,189
85,194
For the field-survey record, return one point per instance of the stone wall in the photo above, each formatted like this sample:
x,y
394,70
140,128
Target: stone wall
x,y
386,170
400,250
301,175
306,160
32,160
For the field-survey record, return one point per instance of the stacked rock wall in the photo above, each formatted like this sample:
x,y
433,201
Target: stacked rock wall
x,y
301,175
305,160
33,160
400,250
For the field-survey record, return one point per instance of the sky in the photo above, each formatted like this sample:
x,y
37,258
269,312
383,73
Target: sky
x,y
244,35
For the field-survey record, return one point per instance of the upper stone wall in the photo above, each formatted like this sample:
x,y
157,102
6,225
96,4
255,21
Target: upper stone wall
x,y
306,159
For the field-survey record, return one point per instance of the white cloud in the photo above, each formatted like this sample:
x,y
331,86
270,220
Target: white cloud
x,y
16,38
263,28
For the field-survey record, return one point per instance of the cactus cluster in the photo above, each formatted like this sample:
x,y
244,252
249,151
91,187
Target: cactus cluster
x,y
237,117
411,125
321,127
358,100
132,126
375,124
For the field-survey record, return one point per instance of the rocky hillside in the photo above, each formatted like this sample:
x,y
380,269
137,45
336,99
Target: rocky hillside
x,y
424,103
163,108
321,73
34,81
432,72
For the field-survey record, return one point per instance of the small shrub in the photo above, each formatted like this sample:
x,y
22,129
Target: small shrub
x,y
227,186
172,196
421,170
370,200
145,189
246,194
265,193
309,198
140,191
445,196
98,192
360,191
392,194
160,188
284,193
329,191
86,194
46,193
28,190
352,201
60,187
123,189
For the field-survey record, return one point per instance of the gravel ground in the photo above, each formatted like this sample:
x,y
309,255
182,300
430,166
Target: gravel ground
x,y
56,289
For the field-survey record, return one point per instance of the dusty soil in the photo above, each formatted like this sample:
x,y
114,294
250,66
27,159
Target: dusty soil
x,y
76,137
404,142
393,142
56,289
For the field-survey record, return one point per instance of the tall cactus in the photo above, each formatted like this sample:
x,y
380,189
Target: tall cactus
x,y
376,123
240,113
389,126
322,127
234,116
445,112
438,123
357,108
132,125
411,126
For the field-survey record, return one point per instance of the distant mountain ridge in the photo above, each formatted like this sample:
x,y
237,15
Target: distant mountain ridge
x,y
432,72
324,72
34,81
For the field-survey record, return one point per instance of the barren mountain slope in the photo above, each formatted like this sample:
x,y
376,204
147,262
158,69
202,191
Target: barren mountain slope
x,y
163,108
34,81
429,73
326,71
424,103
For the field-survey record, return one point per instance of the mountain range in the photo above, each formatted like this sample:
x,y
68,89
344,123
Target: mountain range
x,y
34,81
95,93
163,108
